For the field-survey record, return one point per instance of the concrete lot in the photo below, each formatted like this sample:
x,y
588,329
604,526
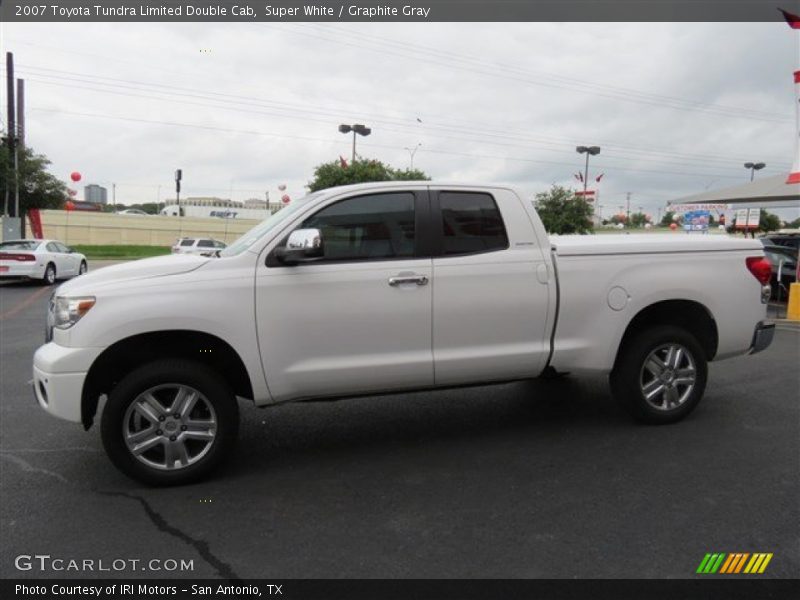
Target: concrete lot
x,y
538,479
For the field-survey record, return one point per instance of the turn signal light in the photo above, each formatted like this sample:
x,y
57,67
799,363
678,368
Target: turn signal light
x,y
760,267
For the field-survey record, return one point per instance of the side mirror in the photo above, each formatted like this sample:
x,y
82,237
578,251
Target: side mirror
x,y
303,245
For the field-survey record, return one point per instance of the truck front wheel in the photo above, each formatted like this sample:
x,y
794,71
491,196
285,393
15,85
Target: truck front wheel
x,y
170,422
660,375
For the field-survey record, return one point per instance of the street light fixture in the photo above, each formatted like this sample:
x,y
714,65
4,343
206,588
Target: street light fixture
x,y
754,167
356,129
587,150
412,153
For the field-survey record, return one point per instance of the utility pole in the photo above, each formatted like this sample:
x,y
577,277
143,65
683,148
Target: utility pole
x,y
628,205
18,147
178,177
12,130
114,195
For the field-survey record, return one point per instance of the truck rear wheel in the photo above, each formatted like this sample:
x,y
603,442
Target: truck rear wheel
x,y
660,375
170,422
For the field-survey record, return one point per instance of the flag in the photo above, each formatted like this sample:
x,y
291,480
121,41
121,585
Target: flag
x,y
578,177
792,20
599,177
342,162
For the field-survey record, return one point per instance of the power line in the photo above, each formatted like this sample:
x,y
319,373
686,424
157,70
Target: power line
x,y
546,144
334,141
627,96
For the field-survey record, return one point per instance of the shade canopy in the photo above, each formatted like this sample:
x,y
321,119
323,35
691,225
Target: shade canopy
x,y
764,189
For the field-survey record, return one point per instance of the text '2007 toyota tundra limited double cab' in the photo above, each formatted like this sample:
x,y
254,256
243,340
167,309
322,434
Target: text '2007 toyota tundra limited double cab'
x,y
388,287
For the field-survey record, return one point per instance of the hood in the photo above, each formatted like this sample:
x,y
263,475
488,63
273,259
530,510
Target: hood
x,y
146,268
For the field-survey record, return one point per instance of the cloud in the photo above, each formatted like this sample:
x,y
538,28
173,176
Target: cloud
x,y
242,108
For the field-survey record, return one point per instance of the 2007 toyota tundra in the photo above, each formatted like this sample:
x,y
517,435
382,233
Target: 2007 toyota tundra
x,y
388,287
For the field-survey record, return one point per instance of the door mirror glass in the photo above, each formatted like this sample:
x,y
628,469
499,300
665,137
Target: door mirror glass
x,y
302,245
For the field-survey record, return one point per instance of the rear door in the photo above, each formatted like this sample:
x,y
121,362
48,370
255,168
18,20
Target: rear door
x,y
69,260
491,288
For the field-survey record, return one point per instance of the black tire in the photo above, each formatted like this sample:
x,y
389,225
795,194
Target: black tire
x,y
632,376
49,277
117,419
83,269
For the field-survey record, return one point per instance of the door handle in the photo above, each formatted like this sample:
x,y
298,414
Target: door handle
x,y
400,280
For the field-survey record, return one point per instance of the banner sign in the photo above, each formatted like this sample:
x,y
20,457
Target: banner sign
x,y
681,208
696,220
741,218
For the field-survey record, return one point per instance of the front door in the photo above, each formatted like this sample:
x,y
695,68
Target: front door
x,y
357,320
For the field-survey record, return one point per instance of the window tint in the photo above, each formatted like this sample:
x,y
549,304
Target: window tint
x,y
20,245
61,247
187,243
378,226
471,223
219,244
51,247
205,244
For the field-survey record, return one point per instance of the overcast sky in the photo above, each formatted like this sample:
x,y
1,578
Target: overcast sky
x,y
241,108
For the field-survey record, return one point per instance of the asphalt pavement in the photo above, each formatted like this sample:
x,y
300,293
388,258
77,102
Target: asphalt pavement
x,y
532,479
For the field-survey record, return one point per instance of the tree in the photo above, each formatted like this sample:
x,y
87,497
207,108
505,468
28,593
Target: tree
x,y
563,212
337,172
794,224
638,219
768,222
38,188
668,219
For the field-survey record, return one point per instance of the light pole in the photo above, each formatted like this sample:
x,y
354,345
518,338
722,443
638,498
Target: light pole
x,y
754,167
356,129
587,150
412,153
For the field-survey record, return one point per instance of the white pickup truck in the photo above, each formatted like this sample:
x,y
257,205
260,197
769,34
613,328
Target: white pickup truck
x,y
383,288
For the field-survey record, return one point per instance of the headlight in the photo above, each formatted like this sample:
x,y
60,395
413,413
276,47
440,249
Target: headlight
x,y
69,311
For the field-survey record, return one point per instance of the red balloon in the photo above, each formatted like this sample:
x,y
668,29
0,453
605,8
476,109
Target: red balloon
x,y
286,199
673,226
75,176
69,205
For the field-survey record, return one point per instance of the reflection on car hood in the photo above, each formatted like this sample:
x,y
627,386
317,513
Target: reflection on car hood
x,y
145,268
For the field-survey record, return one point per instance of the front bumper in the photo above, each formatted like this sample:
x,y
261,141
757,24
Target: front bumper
x,y
762,336
58,377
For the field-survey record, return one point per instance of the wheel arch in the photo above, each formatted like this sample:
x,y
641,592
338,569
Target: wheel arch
x,y
690,315
129,353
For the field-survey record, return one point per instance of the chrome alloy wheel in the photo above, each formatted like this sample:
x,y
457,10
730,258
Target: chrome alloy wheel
x,y
169,427
668,377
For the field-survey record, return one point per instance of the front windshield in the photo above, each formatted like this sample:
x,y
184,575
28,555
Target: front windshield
x,y
267,225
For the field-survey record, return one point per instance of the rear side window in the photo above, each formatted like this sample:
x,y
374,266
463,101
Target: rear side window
x,y
205,244
187,243
471,223
51,247
21,245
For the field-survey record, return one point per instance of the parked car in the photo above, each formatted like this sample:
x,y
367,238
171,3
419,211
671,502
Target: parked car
x,y
133,211
787,238
784,269
44,260
333,296
201,246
